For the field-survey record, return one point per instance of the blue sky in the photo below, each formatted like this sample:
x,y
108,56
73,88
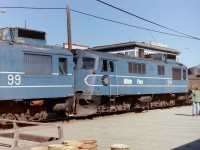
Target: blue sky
x,y
181,15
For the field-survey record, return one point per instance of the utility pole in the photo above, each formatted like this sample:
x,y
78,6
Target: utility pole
x,y
69,28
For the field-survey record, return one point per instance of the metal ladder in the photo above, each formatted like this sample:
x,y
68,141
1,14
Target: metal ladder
x,y
112,104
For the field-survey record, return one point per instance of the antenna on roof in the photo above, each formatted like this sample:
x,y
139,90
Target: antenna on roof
x,y
152,36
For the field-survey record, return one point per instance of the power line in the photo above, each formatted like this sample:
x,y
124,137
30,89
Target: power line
x,y
33,8
129,24
105,19
146,19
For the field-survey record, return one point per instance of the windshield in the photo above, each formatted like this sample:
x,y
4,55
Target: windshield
x,y
88,63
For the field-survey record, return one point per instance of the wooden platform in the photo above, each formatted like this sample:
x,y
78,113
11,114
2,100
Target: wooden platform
x,y
166,129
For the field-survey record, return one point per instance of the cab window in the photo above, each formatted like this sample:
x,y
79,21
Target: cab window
x,y
111,65
104,65
62,66
107,66
88,63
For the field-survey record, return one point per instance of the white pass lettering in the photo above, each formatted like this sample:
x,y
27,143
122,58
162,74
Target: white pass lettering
x,y
140,81
128,81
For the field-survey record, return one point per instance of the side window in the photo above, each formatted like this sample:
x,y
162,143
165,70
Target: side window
x,y
130,67
62,66
176,74
136,68
111,65
161,70
184,75
104,65
140,69
107,65
88,63
143,69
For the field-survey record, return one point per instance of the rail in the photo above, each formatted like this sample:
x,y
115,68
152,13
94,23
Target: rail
x,y
12,137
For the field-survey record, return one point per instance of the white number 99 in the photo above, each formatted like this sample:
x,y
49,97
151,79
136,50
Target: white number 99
x,y
14,79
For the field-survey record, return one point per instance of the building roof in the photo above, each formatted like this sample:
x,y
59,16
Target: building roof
x,y
131,45
76,46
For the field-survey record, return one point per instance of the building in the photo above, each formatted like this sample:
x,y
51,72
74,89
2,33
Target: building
x,y
194,70
75,46
139,49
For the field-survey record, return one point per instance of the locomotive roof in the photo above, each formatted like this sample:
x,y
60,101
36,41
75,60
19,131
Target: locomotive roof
x,y
50,49
115,56
131,45
108,55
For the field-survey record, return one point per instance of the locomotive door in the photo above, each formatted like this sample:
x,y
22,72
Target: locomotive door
x,y
109,79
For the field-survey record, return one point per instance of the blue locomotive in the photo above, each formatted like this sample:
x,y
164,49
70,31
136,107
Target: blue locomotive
x,y
37,80
34,77
114,82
